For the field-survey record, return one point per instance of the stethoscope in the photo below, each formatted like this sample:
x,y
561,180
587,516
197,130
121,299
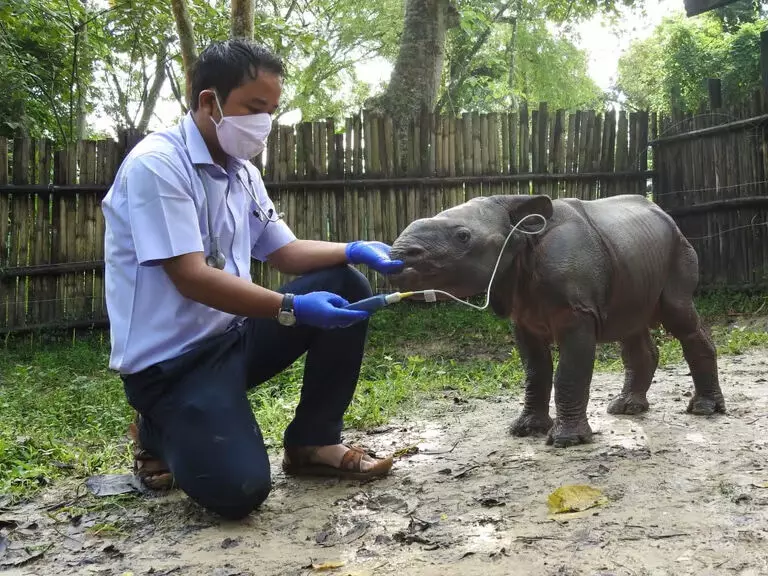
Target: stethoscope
x,y
216,258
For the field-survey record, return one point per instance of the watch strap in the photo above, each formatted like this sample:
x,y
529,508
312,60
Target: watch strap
x,y
287,304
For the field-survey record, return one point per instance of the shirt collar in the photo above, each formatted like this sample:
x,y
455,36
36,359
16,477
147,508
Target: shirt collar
x,y
198,151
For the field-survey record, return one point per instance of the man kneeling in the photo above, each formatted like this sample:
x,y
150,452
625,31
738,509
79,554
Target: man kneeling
x,y
191,333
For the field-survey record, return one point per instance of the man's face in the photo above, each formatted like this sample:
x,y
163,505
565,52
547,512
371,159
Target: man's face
x,y
254,96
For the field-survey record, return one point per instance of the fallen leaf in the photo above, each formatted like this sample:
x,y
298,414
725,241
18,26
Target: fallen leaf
x,y
22,560
326,566
3,545
113,484
10,521
112,551
575,498
407,451
73,544
490,502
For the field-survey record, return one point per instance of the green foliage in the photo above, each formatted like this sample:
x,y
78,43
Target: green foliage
x,y
321,44
499,56
39,71
673,64
65,414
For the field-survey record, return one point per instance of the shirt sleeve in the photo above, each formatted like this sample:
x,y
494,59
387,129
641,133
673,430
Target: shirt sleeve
x,y
162,213
266,237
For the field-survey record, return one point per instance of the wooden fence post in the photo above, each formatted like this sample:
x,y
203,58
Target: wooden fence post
x,y
764,59
715,93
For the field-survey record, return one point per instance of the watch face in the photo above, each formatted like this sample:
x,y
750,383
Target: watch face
x,y
286,318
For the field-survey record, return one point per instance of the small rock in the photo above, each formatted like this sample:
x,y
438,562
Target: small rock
x,y
230,543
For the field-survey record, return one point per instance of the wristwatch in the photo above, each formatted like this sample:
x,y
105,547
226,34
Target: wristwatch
x,y
285,316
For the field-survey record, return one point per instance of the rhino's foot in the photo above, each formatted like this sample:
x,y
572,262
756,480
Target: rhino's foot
x,y
531,424
569,433
628,404
706,405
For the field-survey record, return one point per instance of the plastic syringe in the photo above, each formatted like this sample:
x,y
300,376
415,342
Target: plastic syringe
x,y
377,302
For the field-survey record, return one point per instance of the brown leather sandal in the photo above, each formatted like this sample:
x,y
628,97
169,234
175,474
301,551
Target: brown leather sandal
x,y
296,462
151,471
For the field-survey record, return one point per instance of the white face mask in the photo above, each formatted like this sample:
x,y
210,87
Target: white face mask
x,y
242,137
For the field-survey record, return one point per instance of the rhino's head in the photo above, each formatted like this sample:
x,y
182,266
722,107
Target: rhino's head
x,y
456,250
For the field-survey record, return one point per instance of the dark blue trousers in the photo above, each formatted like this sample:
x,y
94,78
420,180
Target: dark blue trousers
x,y
196,415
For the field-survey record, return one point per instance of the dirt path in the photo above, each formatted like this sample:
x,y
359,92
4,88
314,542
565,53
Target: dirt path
x,y
687,495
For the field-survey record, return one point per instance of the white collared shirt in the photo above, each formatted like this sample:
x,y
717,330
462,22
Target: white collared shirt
x,y
156,209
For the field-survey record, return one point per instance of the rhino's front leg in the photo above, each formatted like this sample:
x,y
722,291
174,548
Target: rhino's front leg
x,y
572,380
536,357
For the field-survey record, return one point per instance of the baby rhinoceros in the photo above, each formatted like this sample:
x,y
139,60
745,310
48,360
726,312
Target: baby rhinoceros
x,y
603,270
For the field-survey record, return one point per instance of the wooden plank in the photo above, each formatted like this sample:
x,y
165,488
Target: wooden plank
x,y
440,152
485,144
763,59
4,222
456,194
412,208
504,159
468,153
534,148
572,152
556,154
597,134
20,229
493,150
392,199
584,140
350,206
608,155
542,137
477,152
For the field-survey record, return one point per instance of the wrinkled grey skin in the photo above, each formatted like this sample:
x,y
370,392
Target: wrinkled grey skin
x,y
602,271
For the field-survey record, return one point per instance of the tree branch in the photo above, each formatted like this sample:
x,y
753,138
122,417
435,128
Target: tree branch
x,y
154,91
175,88
456,85
186,40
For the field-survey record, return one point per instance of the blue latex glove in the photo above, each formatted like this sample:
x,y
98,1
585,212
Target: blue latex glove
x,y
325,310
372,254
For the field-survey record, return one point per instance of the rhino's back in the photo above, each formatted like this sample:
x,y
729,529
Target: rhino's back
x,y
613,256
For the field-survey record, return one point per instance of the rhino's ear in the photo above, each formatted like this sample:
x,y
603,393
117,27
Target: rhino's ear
x,y
518,206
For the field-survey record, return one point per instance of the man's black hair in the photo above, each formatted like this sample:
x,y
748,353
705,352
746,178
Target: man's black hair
x,y
227,65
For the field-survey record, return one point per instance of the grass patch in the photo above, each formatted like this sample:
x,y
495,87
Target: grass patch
x,y
64,413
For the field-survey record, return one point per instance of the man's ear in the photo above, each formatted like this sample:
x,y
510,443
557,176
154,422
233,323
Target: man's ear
x,y
518,206
207,100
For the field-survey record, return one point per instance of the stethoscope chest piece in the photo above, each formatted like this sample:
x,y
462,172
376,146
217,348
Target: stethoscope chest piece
x,y
216,260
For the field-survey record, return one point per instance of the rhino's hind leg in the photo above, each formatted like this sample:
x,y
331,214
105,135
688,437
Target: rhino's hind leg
x,y
641,358
572,382
536,357
679,317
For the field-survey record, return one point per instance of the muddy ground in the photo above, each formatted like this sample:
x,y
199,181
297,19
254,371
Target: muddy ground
x,y
686,495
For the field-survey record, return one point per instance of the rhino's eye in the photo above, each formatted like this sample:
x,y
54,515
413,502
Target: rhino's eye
x,y
463,236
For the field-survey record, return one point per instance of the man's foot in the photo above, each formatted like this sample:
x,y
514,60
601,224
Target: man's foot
x,y
151,471
340,460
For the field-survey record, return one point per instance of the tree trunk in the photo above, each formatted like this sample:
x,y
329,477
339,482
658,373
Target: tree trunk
x,y
154,90
83,79
419,65
186,39
512,54
241,25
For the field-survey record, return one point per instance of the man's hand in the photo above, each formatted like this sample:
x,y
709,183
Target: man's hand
x,y
372,254
325,310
